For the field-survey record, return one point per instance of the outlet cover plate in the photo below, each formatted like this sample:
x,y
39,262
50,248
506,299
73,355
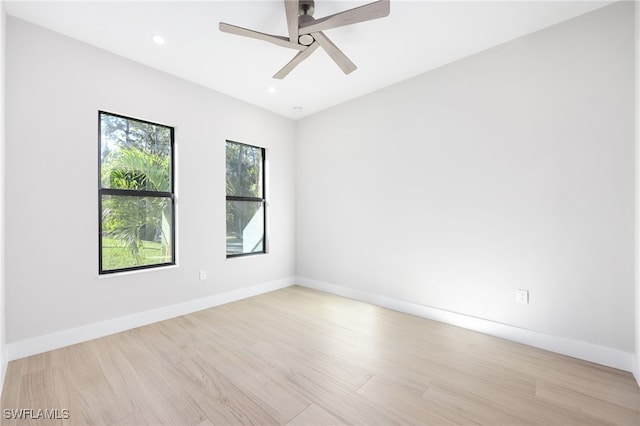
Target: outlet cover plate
x,y
522,296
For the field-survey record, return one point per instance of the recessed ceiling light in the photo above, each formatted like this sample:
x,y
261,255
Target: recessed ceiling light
x,y
271,90
297,109
158,39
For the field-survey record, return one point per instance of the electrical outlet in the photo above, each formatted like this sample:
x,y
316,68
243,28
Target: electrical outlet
x,y
522,296
203,275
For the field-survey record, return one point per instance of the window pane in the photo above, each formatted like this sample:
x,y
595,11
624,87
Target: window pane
x,y
134,154
244,170
245,227
136,231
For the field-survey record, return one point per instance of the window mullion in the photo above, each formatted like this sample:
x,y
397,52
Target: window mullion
x,y
135,193
238,198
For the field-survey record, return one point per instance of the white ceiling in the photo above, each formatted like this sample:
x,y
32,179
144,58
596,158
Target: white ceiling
x,y
417,36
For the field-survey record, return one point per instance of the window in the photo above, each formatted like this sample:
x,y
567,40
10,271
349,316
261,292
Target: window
x,y
136,194
246,216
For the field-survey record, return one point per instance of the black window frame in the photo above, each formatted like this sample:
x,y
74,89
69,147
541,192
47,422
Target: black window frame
x,y
262,199
136,193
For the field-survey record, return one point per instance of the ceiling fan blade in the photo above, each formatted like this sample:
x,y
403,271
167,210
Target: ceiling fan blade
x,y
301,56
291,9
280,41
367,12
336,54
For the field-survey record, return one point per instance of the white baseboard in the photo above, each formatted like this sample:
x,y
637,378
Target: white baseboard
x,y
574,348
28,347
636,367
582,350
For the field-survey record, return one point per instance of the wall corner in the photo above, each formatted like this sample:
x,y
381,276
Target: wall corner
x,y
636,357
3,345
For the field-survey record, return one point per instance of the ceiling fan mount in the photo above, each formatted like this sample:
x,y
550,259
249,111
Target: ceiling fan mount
x,y
306,32
306,7
305,15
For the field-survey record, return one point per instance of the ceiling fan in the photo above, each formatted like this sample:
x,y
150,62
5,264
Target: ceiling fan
x,y
305,32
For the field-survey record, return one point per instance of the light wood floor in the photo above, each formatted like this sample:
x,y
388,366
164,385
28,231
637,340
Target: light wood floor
x,y
301,357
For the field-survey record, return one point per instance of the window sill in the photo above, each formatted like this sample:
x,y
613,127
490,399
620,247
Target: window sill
x,y
138,271
245,256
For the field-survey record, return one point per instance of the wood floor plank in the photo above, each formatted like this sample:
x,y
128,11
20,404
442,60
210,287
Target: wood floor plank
x,y
13,381
281,402
522,405
54,389
222,328
402,401
135,418
329,392
605,393
165,401
302,357
222,402
473,407
314,415
137,353
304,343
205,422
161,343
606,412
92,387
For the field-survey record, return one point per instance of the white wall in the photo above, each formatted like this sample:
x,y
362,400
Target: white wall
x,y
512,168
55,87
3,351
